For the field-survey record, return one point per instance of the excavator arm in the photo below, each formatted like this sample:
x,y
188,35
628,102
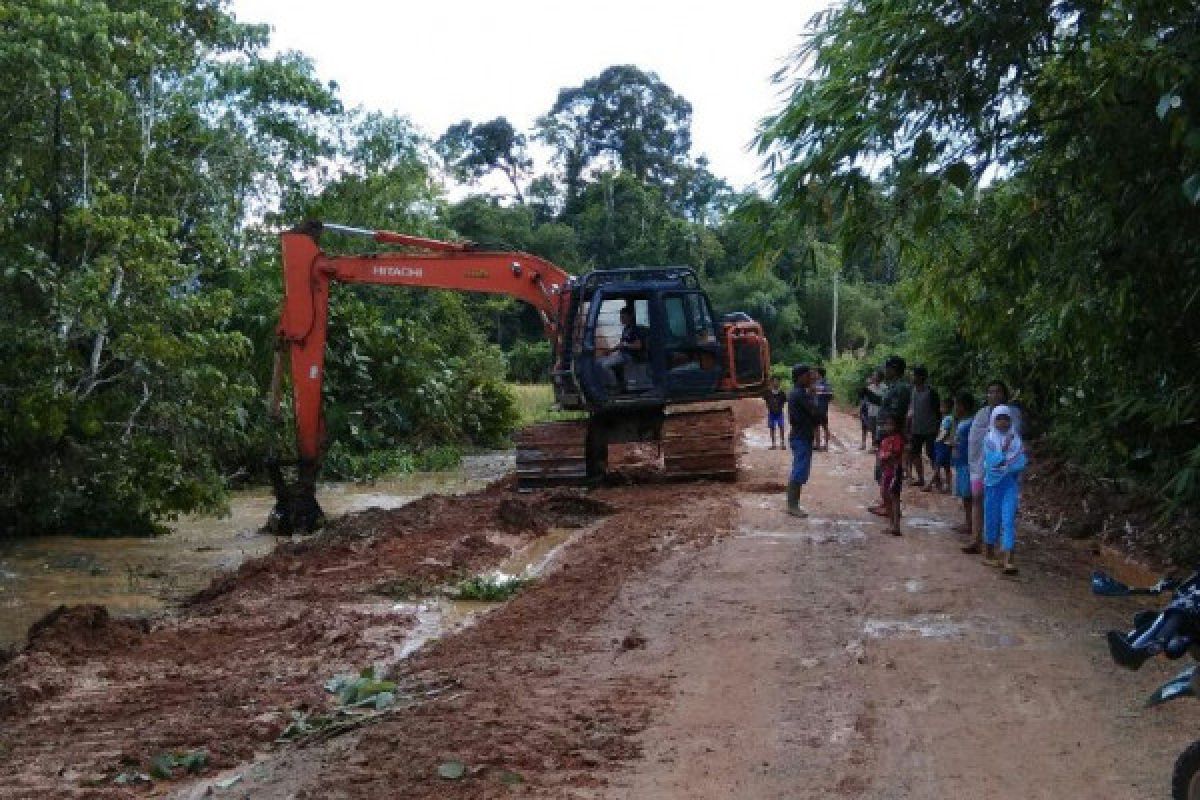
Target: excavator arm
x,y
303,324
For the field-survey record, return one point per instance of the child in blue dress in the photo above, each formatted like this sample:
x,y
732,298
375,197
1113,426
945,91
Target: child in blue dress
x,y
942,447
1003,461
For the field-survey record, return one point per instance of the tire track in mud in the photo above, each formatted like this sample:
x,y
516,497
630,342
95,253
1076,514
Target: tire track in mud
x,y
771,700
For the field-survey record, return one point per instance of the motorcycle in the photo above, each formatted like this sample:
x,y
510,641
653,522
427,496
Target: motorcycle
x,y
1171,632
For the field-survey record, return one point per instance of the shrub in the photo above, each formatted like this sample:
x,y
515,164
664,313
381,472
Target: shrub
x,y
529,362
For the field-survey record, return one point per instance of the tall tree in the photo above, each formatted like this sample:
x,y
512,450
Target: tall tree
x,y
623,113
474,150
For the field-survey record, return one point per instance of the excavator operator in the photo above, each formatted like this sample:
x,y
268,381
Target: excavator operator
x,y
632,347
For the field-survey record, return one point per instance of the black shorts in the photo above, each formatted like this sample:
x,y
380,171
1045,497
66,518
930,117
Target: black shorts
x,y
922,443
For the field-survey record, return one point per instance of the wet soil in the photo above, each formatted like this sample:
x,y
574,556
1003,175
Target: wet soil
x,y
683,641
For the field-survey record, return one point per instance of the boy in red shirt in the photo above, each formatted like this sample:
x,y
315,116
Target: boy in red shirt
x,y
891,458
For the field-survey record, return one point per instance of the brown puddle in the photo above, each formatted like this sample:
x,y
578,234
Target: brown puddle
x,y
140,576
438,616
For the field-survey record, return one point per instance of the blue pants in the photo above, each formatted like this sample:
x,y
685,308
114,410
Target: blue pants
x,y
1000,512
801,460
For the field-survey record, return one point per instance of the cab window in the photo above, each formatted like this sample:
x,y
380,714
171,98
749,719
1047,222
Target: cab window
x,y
608,320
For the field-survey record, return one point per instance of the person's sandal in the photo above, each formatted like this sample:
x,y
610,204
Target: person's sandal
x,y
972,549
1010,569
895,532
991,562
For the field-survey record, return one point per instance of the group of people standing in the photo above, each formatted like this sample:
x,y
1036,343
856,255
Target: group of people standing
x,y
978,454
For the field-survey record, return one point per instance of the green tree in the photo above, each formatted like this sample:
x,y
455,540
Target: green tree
x,y
138,137
625,114
622,222
474,150
1038,165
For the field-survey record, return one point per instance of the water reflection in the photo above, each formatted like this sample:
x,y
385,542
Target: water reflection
x,y
133,575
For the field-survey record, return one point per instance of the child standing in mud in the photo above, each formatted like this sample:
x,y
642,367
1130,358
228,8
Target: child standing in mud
x,y
1003,461
891,462
822,394
964,412
776,400
942,447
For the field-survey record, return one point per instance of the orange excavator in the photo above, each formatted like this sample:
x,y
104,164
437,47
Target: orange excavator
x,y
639,350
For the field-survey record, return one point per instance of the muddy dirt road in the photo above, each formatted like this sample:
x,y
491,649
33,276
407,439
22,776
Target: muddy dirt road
x,y
685,641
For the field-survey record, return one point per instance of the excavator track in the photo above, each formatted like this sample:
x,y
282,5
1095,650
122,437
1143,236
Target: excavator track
x,y
552,454
700,444
694,444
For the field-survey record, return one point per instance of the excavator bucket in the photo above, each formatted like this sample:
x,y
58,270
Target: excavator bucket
x,y
296,508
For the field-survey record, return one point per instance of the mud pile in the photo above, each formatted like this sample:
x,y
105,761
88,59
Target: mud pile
x,y
76,632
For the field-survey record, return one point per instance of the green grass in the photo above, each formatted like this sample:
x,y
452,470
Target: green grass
x,y
489,588
535,403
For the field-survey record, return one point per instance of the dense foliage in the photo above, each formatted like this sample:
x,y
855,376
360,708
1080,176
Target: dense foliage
x,y
1036,166
137,138
142,142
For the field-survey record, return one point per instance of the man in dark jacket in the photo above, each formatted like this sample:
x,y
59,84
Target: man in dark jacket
x,y
802,418
924,417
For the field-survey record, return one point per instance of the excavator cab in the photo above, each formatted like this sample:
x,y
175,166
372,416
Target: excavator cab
x,y
681,353
652,414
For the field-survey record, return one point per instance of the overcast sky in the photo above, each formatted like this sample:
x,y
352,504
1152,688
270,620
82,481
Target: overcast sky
x,y
440,61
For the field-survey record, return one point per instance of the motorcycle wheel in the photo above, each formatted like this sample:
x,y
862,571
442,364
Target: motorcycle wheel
x,y
1185,780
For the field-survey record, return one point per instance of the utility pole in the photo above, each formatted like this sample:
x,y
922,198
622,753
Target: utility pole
x,y
833,333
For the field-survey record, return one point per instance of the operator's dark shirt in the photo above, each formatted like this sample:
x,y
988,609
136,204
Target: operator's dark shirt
x,y
631,334
802,415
